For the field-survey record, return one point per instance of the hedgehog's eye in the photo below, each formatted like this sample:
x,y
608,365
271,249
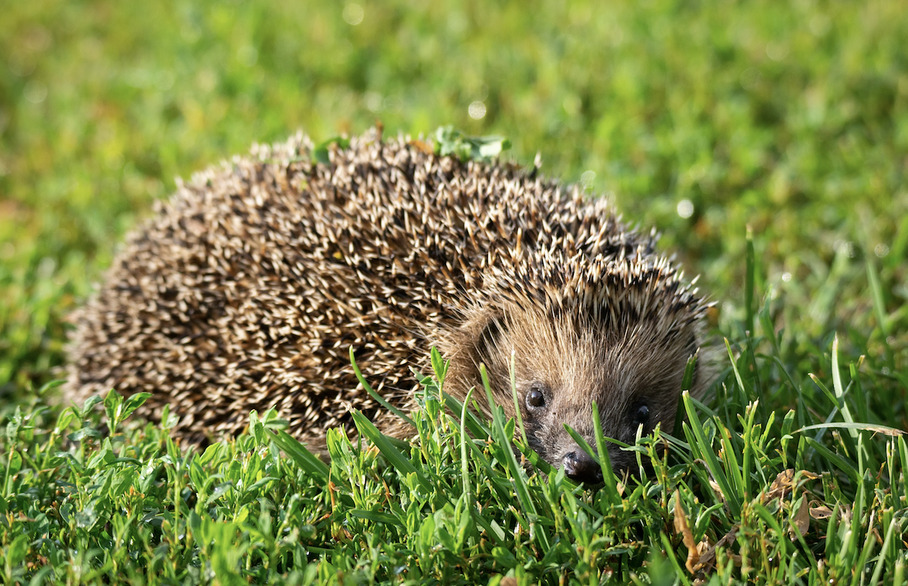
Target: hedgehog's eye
x,y
640,413
535,398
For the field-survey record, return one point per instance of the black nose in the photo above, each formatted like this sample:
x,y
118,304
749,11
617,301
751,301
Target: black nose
x,y
580,467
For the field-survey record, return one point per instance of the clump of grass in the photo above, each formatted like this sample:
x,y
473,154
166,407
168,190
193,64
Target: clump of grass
x,y
741,492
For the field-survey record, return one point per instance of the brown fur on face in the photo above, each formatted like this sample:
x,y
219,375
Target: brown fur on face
x,y
575,357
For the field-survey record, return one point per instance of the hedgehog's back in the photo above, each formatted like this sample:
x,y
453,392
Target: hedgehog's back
x,y
248,287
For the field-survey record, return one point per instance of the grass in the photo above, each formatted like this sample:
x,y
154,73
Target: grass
x,y
709,122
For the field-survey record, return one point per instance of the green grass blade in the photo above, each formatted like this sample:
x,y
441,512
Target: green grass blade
x,y
609,481
704,451
734,367
518,475
386,447
837,384
300,454
749,283
464,462
381,400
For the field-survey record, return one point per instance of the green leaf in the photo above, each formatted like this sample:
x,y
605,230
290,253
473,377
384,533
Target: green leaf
x,y
321,152
451,142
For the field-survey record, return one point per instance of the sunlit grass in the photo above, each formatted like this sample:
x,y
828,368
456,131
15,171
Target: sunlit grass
x,y
704,121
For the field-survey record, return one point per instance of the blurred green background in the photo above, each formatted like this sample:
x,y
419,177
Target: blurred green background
x,y
698,118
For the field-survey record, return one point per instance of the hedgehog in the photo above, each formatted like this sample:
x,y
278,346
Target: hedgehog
x,y
250,285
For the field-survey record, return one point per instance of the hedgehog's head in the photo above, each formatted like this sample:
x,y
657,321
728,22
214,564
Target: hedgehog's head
x,y
621,342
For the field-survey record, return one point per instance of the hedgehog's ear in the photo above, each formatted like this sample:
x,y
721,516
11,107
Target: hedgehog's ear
x,y
489,338
480,338
489,347
476,341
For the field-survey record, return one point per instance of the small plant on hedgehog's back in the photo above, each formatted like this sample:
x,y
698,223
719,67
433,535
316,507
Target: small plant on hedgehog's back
x,y
449,141
321,152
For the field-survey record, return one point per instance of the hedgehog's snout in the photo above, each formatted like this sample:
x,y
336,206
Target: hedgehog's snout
x,y
580,467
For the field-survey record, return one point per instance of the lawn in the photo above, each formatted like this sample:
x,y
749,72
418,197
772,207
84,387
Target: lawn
x,y
769,146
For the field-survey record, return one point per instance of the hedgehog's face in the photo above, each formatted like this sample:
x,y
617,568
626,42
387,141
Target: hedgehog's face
x,y
564,364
